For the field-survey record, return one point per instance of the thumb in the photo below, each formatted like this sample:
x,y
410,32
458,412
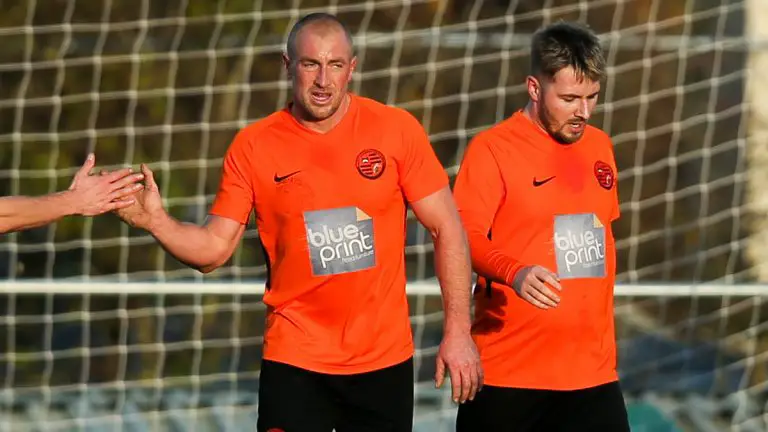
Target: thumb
x,y
90,162
439,372
84,170
149,177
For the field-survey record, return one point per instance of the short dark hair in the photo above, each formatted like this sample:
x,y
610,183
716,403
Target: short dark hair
x,y
318,17
565,44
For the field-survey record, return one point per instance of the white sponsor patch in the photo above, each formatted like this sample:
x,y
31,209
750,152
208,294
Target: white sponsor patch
x,y
340,240
579,246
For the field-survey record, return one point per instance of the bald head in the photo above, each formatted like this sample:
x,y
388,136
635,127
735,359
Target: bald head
x,y
320,24
320,62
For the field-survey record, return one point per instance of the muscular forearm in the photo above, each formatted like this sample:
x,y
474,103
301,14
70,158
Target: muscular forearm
x,y
20,212
490,262
452,265
192,244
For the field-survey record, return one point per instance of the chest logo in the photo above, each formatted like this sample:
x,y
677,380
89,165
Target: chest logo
x,y
371,163
279,179
604,175
537,183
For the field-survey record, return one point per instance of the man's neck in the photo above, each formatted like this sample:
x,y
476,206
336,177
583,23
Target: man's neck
x,y
325,125
532,113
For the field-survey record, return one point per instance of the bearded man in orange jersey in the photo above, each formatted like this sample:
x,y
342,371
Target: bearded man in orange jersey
x,y
537,195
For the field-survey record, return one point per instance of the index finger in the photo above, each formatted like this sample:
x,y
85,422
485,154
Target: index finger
x,y
117,175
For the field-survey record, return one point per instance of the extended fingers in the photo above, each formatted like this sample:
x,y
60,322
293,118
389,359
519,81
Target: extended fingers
x,y
540,287
119,174
125,191
533,297
456,383
127,180
467,385
466,380
118,204
474,381
549,278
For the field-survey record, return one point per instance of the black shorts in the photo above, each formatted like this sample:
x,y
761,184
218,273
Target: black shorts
x,y
502,409
292,399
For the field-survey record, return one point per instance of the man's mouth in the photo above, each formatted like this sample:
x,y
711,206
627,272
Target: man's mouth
x,y
320,97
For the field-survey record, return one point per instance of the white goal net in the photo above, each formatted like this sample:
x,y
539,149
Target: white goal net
x,y
100,328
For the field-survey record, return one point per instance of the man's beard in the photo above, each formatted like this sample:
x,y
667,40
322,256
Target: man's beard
x,y
311,113
557,131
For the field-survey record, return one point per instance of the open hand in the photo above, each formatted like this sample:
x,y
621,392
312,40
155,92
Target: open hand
x,y
147,206
458,354
93,195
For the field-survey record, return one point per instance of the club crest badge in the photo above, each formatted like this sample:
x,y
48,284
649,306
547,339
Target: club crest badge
x,y
371,163
604,175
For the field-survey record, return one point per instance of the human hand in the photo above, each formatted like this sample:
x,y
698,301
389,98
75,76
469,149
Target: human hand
x,y
531,285
459,356
93,195
148,204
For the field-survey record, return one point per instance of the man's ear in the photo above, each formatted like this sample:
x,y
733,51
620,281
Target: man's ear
x,y
534,88
287,64
352,67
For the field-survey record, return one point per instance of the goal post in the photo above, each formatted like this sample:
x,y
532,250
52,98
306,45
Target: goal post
x,y
756,89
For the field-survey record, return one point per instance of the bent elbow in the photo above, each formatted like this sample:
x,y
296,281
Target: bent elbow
x,y
213,263
206,268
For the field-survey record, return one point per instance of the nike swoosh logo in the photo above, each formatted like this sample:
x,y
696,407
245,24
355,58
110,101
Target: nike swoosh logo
x,y
278,179
537,183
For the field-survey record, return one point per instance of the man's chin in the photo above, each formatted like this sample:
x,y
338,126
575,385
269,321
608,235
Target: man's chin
x,y
566,138
322,113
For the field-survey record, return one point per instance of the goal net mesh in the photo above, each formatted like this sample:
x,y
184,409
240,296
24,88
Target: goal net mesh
x,y
169,83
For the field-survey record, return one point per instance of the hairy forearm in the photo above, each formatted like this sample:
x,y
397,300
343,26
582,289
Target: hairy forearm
x,y
452,265
192,244
490,262
20,212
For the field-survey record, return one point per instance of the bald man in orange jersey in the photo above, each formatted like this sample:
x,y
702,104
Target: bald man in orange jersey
x,y
537,195
328,179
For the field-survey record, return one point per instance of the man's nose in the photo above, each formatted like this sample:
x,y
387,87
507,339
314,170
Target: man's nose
x,y
321,79
583,110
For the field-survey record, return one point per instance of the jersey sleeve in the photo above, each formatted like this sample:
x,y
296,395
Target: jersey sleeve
x,y
419,169
235,197
479,191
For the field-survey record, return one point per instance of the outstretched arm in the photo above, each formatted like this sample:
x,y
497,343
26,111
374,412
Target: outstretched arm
x,y
204,248
458,353
88,196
